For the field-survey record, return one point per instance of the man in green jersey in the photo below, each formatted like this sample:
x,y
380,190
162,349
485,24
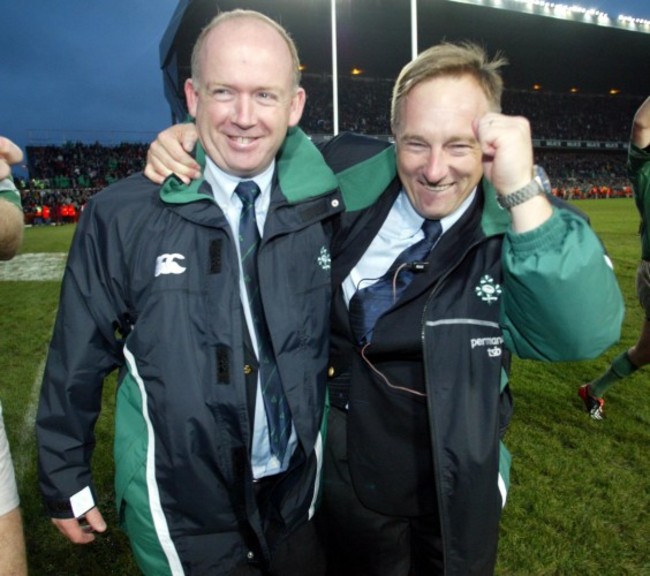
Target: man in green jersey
x,y
638,355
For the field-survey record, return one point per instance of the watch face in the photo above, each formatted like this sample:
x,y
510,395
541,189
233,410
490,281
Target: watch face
x,y
543,178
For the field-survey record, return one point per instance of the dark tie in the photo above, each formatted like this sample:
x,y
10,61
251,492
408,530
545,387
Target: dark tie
x,y
368,304
275,404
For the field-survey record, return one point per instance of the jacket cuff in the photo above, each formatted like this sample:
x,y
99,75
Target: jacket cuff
x,y
74,507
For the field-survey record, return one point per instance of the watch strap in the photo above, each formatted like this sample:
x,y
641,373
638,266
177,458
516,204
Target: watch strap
x,y
538,185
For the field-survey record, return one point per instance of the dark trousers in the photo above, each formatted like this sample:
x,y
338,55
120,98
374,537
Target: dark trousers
x,y
300,553
363,542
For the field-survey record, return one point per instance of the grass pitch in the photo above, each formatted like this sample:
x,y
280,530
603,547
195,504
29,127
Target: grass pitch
x,y
580,497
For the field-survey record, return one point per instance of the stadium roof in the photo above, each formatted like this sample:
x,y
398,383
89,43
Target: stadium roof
x,y
374,36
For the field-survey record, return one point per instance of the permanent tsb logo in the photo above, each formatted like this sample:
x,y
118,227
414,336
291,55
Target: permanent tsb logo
x,y
493,345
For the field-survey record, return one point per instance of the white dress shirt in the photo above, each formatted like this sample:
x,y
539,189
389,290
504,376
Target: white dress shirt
x,y
401,229
223,187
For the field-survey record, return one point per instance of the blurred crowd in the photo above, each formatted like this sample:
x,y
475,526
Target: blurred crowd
x,y
63,177
364,107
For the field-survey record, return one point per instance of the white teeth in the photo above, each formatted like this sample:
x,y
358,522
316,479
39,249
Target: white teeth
x,y
438,188
242,140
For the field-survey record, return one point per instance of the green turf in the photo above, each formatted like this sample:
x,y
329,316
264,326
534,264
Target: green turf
x,y
580,497
29,312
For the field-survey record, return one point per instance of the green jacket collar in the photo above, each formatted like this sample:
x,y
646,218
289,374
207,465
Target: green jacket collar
x,y
363,183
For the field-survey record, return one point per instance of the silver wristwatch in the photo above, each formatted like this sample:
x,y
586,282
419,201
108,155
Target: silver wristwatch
x,y
540,184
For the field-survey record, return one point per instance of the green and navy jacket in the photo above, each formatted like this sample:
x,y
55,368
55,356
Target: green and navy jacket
x,y
151,289
549,294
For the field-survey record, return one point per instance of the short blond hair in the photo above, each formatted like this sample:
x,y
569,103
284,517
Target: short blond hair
x,y
243,14
449,59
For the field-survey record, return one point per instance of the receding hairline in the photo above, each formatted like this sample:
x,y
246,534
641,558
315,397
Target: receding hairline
x,y
244,15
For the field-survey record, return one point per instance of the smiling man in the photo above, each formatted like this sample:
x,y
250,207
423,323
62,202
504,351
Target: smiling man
x,y
439,152
415,473
242,96
213,301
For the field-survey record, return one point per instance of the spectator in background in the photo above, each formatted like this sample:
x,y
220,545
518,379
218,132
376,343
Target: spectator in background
x,y
638,355
13,561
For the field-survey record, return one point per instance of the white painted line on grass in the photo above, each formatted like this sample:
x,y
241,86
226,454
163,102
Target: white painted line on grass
x,y
31,267
36,266
26,439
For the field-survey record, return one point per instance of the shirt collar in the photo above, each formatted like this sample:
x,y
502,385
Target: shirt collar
x,y
224,184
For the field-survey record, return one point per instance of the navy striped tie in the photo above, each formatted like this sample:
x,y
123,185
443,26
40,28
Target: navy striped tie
x,y
275,403
368,304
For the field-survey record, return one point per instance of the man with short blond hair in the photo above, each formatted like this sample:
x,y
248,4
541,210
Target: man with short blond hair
x,y
415,472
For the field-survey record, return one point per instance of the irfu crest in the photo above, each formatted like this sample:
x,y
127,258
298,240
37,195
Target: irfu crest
x,y
488,290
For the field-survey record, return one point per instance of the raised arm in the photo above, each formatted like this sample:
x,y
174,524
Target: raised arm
x,y
507,148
